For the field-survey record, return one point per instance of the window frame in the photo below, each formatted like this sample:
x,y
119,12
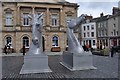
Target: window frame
x,y
94,42
54,20
54,41
92,34
26,39
8,43
25,19
88,27
8,19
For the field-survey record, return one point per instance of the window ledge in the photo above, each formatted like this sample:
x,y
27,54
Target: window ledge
x,y
56,49
26,25
8,25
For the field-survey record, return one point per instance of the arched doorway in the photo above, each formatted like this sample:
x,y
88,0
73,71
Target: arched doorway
x,y
43,43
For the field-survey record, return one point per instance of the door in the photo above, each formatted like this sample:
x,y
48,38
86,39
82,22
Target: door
x,y
43,43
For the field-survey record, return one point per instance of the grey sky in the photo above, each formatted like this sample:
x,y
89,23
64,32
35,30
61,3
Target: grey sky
x,y
95,8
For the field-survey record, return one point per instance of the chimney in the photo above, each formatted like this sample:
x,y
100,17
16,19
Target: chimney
x,y
115,10
101,15
88,17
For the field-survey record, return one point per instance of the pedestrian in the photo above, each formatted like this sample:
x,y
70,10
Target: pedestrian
x,y
100,46
84,47
23,50
5,49
9,49
87,47
112,51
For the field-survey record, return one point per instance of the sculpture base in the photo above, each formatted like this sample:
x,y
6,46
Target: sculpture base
x,y
74,61
35,64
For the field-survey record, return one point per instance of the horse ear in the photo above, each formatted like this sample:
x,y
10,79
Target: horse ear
x,y
39,16
30,16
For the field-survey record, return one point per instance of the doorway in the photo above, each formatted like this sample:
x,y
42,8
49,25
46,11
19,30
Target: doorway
x,y
43,43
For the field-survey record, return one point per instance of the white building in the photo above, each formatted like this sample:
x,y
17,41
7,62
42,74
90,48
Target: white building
x,y
88,34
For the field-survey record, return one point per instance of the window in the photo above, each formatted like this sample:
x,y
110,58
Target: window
x,y
83,42
114,32
114,25
92,27
93,42
69,18
102,32
117,32
114,18
98,25
84,35
26,20
87,27
88,34
86,41
102,24
84,28
92,34
54,20
8,18
55,41
8,42
106,42
111,33
26,41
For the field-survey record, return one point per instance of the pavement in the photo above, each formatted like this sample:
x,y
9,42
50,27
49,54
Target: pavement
x,y
21,54
107,68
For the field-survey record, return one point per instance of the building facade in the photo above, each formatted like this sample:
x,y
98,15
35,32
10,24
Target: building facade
x,y
108,29
102,31
17,29
88,30
113,36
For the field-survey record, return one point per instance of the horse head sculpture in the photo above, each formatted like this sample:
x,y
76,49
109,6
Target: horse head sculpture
x,y
36,46
73,43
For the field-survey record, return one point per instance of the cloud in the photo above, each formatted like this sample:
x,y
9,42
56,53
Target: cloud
x,y
95,8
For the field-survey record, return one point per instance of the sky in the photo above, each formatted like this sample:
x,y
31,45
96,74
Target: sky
x,y
95,7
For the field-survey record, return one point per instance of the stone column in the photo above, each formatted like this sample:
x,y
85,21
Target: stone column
x,y
18,15
48,17
33,10
61,16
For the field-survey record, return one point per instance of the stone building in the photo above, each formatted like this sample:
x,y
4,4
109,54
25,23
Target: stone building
x,y
102,30
113,30
88,31
108,29
16,26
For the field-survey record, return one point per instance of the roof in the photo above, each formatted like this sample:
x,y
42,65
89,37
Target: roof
x,y
99,19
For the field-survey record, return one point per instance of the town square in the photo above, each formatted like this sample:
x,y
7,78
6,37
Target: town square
x,y
56,39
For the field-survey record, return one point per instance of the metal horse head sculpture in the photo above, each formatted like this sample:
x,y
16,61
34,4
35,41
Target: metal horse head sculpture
x,y
36,46
73,43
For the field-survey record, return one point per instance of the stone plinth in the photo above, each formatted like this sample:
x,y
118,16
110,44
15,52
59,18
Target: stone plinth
x,y
80,61
35,64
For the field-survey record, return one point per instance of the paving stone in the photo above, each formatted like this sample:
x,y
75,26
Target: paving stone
x,y
107,68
